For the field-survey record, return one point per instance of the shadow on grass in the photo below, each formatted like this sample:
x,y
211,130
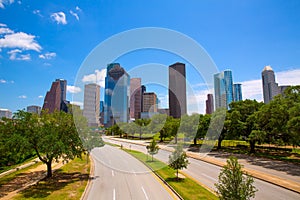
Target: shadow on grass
x,y
48,185
175,180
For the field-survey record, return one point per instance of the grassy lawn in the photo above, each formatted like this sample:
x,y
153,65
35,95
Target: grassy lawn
x,y
68,182
186,187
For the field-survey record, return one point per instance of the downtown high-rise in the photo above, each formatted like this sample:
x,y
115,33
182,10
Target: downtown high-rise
x,y
91,104
116,95
270,87
223,86
135,98
177,90
55,99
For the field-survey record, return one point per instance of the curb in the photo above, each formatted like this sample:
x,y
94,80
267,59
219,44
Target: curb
x,y
287,184
89,183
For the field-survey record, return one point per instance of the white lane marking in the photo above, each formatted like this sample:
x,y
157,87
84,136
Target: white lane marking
x,y
145,193
114,194
112,173
211,178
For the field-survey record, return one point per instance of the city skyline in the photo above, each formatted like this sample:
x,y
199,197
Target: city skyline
x,y
242,36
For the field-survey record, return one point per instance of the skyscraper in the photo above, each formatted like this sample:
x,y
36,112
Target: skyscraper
x,y
91,104
270,87
52,101
135,98
177,90
63,89
223,86
34,109
116,95
237,92
209,104
149,105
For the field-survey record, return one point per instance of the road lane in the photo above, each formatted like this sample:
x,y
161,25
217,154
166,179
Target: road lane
x,y
118,175
206,173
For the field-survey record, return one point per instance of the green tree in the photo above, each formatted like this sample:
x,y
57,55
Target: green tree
x,y
142,124
232,184
293,125
178,159
204,121
152,148
52,136
189,126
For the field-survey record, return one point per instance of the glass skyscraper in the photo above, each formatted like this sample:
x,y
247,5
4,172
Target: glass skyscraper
x,y
237,91
116,96
223,86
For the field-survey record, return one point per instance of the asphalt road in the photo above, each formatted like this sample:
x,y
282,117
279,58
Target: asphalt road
x,y
208,174
118,175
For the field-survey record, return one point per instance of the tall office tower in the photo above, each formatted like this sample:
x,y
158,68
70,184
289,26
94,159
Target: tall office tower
x,y
52,101
209,104
91,104
135,98
102,112
177,90
223,86
150,102
237,92
116,95
270,87
5,113
143,88
63,90
34,109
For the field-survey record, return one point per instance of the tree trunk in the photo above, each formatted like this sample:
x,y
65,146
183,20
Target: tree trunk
x,y
195,141
252,146
177,175
176,138
219,143
140,133
152,157
49,169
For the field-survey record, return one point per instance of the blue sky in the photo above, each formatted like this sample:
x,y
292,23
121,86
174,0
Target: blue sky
x,y
44,40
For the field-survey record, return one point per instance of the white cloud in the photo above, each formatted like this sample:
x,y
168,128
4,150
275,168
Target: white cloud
x,y
20,40
2,81
59,18
97,77
290,77
3,25
5,30
37,12
47,56
15,55
78,9
22,97
40,96
5,2
73,89
74,14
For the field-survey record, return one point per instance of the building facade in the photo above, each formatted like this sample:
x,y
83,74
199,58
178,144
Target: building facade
x,y
237,92
34,109
209,104
270,87
177,90
116,97
223,86
91,104
135,98
5,113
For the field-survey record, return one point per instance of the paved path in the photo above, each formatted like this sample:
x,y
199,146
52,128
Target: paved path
x,y
207,173
118,175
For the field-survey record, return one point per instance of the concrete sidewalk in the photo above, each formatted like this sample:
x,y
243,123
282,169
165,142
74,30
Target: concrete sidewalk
x,y
256,171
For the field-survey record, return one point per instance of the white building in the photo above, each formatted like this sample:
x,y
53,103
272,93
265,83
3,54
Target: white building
x,y
5,113
34,109
91,104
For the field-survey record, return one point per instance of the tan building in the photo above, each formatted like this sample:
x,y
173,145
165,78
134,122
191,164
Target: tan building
x,y
91,104
135,98
149,102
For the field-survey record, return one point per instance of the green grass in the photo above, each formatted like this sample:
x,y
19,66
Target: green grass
x,y
68,182
187,188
